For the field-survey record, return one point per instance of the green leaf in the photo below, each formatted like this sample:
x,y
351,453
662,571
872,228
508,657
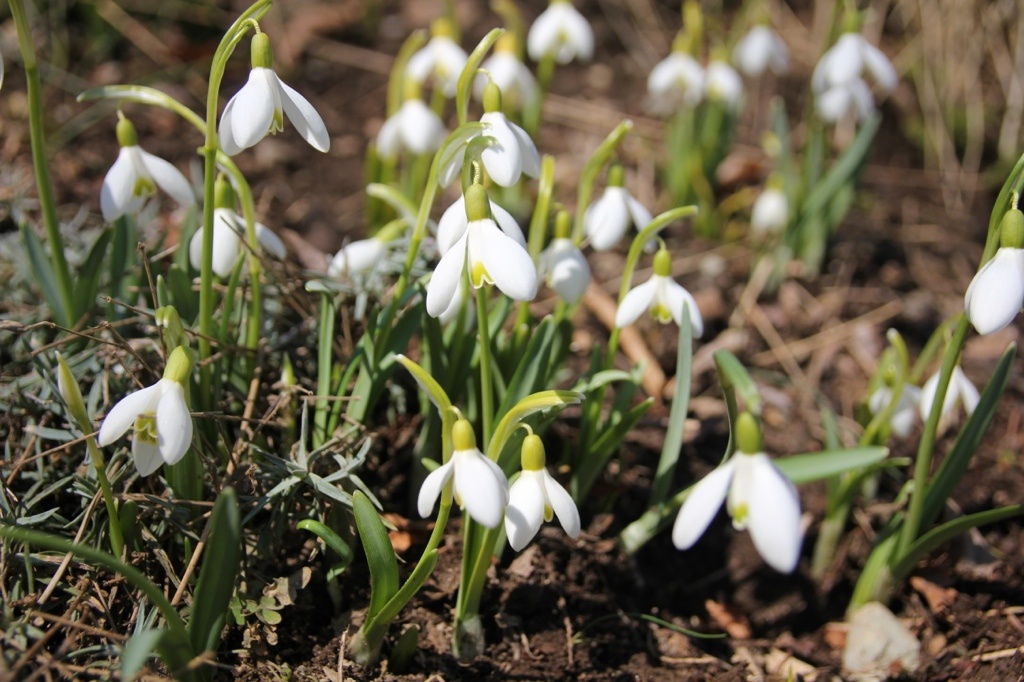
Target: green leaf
x,y
531,367
673,443
600,380
814,466
468,74
137,650
844,169
380,555
329,537
43,271
426,382
594,461
218,574
538,402
88,281
955,463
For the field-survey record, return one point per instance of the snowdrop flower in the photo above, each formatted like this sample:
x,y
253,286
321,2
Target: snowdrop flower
x,y
770,213
562,264
536,497
511,152
996,293
490,255
676,79
960,390
454,223
905,412
759,50
606,220
229,235
508,72
441,58
159,415
722,84
848,60
560,32
662,296
261,105
757,496
135,176
414,127
853,95
479,485
357,258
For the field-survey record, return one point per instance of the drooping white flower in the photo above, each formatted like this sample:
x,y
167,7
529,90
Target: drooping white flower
x,y
229,242
357,258
722,84
160,417
996,293
561,32
960,390
770,213
478,484
759,50
490,255
454,222
851,96
441,58
135,176
677,79
261,105
509,73
565,269
606,220
758,497
537,497
414,127
662,296
848,60
904,414
510,154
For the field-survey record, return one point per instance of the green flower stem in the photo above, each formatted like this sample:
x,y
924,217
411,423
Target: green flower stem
x,y
116,536
535,237
210,152
532,110
601,156
486,389
325,350
69,315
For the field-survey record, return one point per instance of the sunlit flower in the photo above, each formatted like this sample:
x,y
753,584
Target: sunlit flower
x,y
853,95
160,417
607,219
565,269
414,127
560,32
357,258
960,390
757,496
848,60
759,50
491,256
676,79
904,414
454,222
662,296
996,293
478,484
770,213
261,105
441,58
722,84
229,242
537,497
135,176
509,73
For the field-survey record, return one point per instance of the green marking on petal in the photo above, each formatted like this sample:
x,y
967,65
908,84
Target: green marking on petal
x,y
277,122
145,428
144,187
739,516
549,513
478,276
661,313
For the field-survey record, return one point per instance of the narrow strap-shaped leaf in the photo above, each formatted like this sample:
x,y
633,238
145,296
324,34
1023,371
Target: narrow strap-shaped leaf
x,y
42,268
137,650
532,365
380,555
593,462
814,466
218,574
88,282
677,417
844,168
330,538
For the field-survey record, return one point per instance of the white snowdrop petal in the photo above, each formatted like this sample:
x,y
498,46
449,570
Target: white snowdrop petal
x,y
452,225
507,263
421,65
483,495
562,504
678,298
389,138
432,486
525,512
173,423
879,66
833,103
996,293
641,216
847,62
118,186
967,390
227,243
123,415
168,178
701,505
863,100
146,456
357,258
270,242
225,131
445,281
528,155
579,33
637,301
304,117
501,158
543,35
567,270
606,220
508,224
253,111
774,515
420,128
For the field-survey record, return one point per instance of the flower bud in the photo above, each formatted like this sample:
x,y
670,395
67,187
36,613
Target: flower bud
x,y
70,392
